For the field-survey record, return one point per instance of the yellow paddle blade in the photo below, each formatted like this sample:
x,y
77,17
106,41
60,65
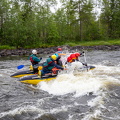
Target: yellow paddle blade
x,y
31,67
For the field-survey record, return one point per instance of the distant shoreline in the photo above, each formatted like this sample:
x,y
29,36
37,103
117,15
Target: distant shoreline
x,y
51,50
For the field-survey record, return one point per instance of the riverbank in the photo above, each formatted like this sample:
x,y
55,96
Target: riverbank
x,y
52,50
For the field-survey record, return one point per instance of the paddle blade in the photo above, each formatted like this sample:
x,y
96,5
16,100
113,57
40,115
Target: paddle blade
x,y
20,66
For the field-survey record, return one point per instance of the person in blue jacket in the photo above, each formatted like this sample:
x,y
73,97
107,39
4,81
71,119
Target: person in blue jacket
x,y
49,65
34,60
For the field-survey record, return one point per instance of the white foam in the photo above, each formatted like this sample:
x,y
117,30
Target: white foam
x,y
80,84
20,110
1,75
68,83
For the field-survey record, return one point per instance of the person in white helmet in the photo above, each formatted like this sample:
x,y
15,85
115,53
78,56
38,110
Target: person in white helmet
x,y
34,60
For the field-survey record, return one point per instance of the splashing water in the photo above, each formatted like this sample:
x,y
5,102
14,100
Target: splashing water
x,y
81,83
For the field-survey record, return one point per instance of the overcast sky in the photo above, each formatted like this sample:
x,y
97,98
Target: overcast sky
x,y
97,8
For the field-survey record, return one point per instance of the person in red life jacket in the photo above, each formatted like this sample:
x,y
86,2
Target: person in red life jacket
x,y
34,60
74,57
49,65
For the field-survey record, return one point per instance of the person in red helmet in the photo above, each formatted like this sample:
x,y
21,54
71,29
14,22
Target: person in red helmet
x,y
58,54
59,49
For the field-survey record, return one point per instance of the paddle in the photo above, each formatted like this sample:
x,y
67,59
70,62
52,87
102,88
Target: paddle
x,y
20,67
85,58
85,61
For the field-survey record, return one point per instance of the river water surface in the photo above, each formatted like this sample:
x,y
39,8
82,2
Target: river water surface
x,y
73,95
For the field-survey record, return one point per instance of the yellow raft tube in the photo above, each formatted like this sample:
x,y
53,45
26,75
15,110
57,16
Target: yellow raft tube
x,y
35,79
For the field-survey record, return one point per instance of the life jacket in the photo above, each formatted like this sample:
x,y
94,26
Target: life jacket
x,y
59,52
69,59
72,58
32,61
47,64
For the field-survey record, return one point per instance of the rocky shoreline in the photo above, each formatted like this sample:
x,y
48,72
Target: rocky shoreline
x,y
51,50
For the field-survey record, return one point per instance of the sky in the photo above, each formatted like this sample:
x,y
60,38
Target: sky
x,y
97,8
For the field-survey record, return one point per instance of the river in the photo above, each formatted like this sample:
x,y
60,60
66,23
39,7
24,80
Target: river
x,y
90,95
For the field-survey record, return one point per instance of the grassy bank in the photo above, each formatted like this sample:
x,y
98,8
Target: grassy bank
x,y
6,47
94,43
81,43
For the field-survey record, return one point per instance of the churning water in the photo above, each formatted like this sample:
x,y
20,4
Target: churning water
x,y
73,95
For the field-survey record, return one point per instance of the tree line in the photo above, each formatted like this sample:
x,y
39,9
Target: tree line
x,y
31,23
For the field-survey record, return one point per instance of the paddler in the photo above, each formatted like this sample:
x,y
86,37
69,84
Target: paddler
x,y
34,60
49,65
58,55
74,57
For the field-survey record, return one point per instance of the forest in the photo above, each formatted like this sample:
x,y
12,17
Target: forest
x,y
33,23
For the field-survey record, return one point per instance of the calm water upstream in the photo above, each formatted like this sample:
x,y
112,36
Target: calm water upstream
x,y
93,95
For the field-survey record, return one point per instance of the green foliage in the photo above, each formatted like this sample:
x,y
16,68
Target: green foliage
x,y
40,46
7,47
31,24
72,44
96,42
110,18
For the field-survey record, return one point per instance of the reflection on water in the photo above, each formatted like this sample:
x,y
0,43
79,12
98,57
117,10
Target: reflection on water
x,y
74,95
